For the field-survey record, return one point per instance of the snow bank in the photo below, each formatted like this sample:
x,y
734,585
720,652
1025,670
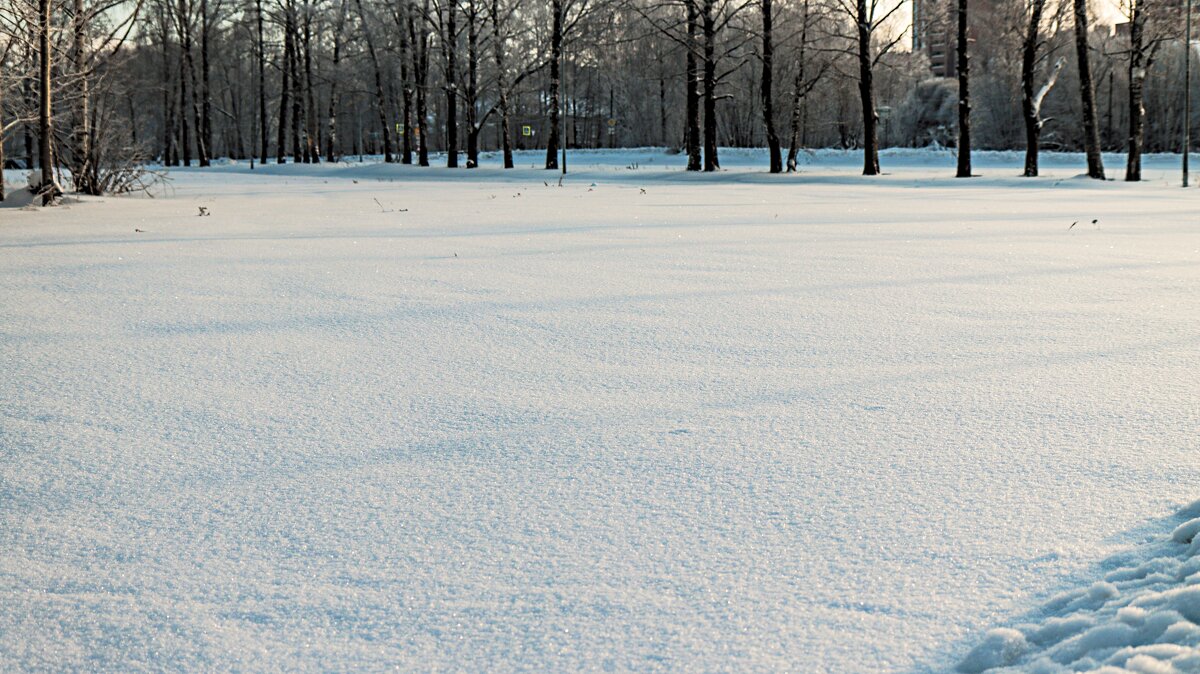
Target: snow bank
x,y
1143,617
910,166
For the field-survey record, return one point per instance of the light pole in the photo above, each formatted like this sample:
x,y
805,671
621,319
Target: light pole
x,y
885,116
563,105
1187,92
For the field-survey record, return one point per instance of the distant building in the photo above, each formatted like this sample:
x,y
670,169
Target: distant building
x,y
931,34
935,31
1165,20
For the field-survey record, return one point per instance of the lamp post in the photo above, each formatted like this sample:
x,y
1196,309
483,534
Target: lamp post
x,y
1187,91
563,99
885,116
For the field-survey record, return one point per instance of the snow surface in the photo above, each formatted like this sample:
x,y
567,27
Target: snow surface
x,y
1143,617
369,416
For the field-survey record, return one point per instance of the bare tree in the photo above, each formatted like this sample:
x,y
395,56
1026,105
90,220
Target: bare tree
x,y
802,85
284,102
1032,54
868,17
768,65
263,128
197,76
695,161
401,17
331,138
378,68
964,95
419,39
449,41
556,53
1091,130
205,131
4,128
498,54
1143,47
311,149
471,101
48,187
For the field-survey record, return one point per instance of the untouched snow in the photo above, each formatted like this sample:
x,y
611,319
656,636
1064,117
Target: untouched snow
x,y
367,417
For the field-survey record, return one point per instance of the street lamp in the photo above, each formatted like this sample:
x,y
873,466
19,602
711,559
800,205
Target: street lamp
x,y
563,104
1187,91
885,116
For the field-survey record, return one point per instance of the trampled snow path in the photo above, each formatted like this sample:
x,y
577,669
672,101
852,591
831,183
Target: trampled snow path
x,y
816,424
1144,616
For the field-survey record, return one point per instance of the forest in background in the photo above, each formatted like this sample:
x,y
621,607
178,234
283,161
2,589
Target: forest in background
x,y
116,85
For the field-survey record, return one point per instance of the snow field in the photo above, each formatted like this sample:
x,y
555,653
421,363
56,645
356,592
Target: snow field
x,y
373,417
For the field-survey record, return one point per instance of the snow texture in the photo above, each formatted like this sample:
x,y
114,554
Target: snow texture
x,y
1143,617
368,417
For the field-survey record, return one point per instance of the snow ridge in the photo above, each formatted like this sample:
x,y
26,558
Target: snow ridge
x,y
1143,617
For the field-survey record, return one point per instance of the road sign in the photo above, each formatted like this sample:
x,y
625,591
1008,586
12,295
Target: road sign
x,y
527,131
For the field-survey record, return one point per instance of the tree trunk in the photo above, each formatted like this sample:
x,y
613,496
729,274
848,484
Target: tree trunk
x,y
189,72
312,151
612,116
556,46
294,133
197,123
1137,81
379,98
205,133
1029,112
331,140
1091,132
502,85
263,130
406,90
421,75
284,102
693,87
1,144
662,110
866,91
133,118
170,137
964,96
711,161
185,141
83,171
31,152
450,52
768,60
472,84
798,95
234,88
48,187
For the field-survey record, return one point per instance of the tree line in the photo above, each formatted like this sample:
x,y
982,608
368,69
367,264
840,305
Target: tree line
x,y
91,91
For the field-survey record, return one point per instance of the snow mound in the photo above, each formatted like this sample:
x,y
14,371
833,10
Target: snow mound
x,y
1001,647
1143,617
1186,532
